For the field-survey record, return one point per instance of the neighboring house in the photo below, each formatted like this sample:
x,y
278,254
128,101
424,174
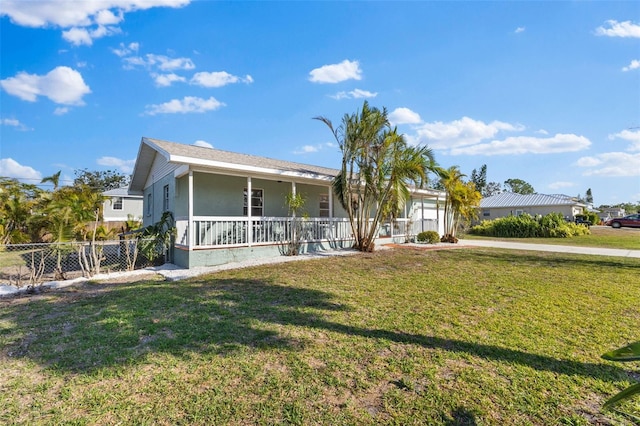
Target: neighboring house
x,y
229,206
510,204
612,213
119,206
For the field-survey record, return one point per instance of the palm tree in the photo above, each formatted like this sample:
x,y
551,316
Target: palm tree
x,y
461,202
54,178
377,167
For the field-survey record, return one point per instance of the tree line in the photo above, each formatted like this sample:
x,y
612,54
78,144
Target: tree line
x,y
31,214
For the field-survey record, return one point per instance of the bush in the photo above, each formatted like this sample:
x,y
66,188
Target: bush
x,y
431,237
552,225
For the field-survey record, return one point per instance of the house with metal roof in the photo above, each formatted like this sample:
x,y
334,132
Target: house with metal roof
x,y
229,206
510,204
119,206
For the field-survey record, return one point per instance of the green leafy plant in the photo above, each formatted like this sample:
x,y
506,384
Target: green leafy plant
x,y
630,352
154,241
431,237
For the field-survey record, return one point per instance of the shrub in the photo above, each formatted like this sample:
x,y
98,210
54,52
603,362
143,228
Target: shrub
x,y
552,225
431,237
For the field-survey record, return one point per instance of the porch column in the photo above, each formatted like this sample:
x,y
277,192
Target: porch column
x,y
330,203
422,213
192,232
293,192
249,208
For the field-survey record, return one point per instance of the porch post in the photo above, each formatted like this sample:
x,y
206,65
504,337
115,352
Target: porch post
x,y
330,203
192,231
422,212
293,192
249,208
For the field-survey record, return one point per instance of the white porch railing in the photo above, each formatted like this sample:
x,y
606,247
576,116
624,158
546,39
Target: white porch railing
x,y
234,231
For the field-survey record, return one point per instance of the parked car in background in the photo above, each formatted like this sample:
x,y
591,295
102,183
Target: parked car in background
x,y
582,220
631,221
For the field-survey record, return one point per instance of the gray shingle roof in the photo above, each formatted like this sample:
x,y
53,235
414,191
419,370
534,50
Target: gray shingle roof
x,y
508,199
202,153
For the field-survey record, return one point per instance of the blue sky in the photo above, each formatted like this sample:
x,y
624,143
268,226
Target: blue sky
x,y
547,92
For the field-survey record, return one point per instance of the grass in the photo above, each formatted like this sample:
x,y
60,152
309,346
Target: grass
x,y
403,336
606,237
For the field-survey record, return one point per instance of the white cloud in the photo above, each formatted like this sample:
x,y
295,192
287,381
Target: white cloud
x,y
125,166
404,116
520,30
11,168
126,50
186,105
203,144
161,62
165,80
611,164
559,185
354,94
218,79
542,132
619,29
463,132
310,149
527,145
631,136
86,20
82,36
13,122
634,65
61,110
62,85
335,73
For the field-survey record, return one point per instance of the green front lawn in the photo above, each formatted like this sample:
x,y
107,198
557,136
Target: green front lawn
x,y
606,237
403,336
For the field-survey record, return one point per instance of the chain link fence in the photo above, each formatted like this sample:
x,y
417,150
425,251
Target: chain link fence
x,y
30,265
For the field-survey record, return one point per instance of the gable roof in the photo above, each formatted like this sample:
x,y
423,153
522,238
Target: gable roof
x,y
509,199
216,159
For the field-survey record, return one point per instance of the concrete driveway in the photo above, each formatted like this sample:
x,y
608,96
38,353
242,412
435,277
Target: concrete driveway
x,y
551,248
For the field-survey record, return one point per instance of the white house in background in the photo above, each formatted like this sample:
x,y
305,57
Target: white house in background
x,y
229,206
119,205
510,204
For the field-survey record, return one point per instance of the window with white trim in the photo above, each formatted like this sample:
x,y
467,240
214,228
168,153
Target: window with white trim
x,y
324,205
257,202
165,198
117,203
519,212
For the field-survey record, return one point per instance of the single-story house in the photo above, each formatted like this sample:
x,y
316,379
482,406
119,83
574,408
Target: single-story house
x,y
612,212
230,206
119,206
510,204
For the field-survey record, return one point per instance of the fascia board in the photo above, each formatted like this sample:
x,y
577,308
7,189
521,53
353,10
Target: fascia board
x,y
246,169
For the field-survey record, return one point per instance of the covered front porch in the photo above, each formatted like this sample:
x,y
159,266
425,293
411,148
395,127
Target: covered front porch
x,y
223,223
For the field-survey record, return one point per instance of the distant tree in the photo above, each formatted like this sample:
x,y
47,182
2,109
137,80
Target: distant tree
x,y
17,202
589,196
100,181
518,186
479,178
492,188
